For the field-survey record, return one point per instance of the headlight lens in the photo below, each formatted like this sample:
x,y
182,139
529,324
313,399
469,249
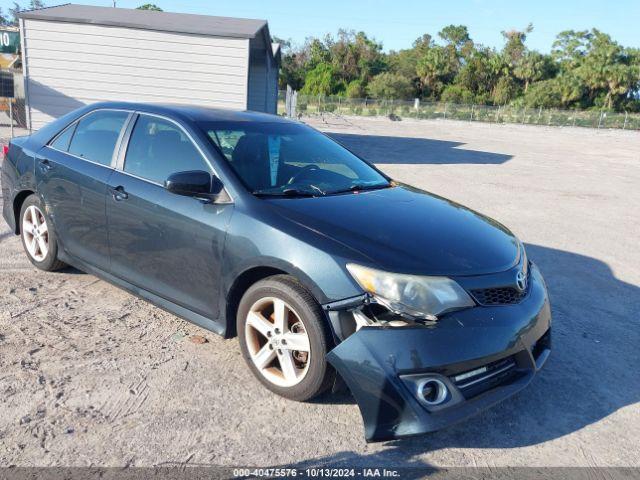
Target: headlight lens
x,y
418,296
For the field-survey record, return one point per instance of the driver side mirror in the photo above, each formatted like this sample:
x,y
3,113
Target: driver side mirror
x,y
198,184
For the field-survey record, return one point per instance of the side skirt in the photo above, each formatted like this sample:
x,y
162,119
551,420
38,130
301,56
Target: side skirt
x,y
193,317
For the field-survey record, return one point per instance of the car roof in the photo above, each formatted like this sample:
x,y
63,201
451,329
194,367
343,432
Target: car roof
x,y
193,113
187,113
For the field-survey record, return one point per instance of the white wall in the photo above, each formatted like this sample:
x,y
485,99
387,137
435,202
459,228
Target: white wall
x,y
68,65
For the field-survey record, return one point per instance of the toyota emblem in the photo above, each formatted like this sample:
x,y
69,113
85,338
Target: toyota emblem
x,y
521,280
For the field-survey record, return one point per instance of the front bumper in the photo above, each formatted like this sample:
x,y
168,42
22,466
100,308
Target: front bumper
x,y
374,361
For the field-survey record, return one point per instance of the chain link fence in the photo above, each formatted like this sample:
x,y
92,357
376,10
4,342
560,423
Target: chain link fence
x,y
312,104
12,101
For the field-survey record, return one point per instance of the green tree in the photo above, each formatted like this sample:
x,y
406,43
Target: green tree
x,y
316,53
390,86
150,6
605,66
455,35
480,72
435,69
514,47
4,20
321,80
531,67
504,91
355,56
14,12
569,48
292,70
542,94
405,62
570,88
585,69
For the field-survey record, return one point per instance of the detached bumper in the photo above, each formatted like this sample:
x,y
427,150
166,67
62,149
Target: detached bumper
x,y
483,355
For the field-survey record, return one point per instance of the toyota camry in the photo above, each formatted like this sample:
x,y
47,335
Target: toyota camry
x,y
331,274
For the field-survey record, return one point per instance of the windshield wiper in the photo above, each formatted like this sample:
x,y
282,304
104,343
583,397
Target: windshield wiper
x,y
359,187
291,192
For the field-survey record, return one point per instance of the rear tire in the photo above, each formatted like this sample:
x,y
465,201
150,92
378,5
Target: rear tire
x,y
275,316
38,236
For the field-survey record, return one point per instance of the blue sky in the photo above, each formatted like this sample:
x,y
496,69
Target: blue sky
x,y
397,23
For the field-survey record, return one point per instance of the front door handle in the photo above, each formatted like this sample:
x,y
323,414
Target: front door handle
x,y
118,193
45,165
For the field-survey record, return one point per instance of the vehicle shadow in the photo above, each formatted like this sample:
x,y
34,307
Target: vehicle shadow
x,y
592,371
69,270
413,151
389,458
7,234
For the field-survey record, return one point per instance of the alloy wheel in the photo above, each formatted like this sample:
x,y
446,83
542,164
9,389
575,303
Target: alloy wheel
x,y
35,233
277,341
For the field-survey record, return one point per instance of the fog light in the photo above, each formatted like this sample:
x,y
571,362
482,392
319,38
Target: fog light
x,y
433,391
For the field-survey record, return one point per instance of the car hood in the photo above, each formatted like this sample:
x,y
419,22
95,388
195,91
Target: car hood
x,y
407,230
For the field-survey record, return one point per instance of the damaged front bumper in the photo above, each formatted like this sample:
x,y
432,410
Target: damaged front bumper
x,y
480,356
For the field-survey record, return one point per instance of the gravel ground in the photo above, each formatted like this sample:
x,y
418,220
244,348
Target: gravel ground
x,y
90,375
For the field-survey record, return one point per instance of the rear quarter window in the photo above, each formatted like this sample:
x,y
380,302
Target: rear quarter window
x,y
61,142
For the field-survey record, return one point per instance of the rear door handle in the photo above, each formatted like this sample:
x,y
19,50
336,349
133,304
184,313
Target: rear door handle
x,y
118,193
45,165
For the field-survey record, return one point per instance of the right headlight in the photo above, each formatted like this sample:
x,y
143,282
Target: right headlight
x,y
415,295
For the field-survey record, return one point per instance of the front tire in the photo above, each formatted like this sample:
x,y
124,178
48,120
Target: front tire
x,y
284,338
38,236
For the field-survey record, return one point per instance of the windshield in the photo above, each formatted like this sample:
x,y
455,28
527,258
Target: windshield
x,y
277,158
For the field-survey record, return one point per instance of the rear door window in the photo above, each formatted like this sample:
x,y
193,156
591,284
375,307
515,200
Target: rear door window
x,y
158,148
96,135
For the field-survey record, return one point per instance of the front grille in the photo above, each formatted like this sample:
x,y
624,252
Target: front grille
x,y
498,296
479,380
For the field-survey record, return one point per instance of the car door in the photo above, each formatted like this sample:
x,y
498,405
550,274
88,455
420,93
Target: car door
x,y
167,244
72,173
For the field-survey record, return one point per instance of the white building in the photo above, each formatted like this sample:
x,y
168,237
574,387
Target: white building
x,y
77,54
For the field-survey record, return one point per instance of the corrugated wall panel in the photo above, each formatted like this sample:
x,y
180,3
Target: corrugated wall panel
x,y
272,88
257,88
56,28
257,78
90,62
69,65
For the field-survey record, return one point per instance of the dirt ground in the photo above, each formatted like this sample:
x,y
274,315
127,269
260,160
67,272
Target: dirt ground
x,y
90,375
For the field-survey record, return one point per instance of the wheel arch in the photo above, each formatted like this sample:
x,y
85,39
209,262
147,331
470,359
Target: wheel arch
x,y
249,277
17,206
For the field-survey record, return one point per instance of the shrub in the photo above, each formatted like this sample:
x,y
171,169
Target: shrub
x,y
457,94
390,86
355,89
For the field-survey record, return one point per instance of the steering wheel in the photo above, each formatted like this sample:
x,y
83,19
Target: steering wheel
x,y
305,170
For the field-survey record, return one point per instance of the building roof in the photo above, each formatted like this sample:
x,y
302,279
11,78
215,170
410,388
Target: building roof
x,y
151,20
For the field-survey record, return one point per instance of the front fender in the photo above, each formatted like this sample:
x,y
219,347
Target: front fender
x,y
252,242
